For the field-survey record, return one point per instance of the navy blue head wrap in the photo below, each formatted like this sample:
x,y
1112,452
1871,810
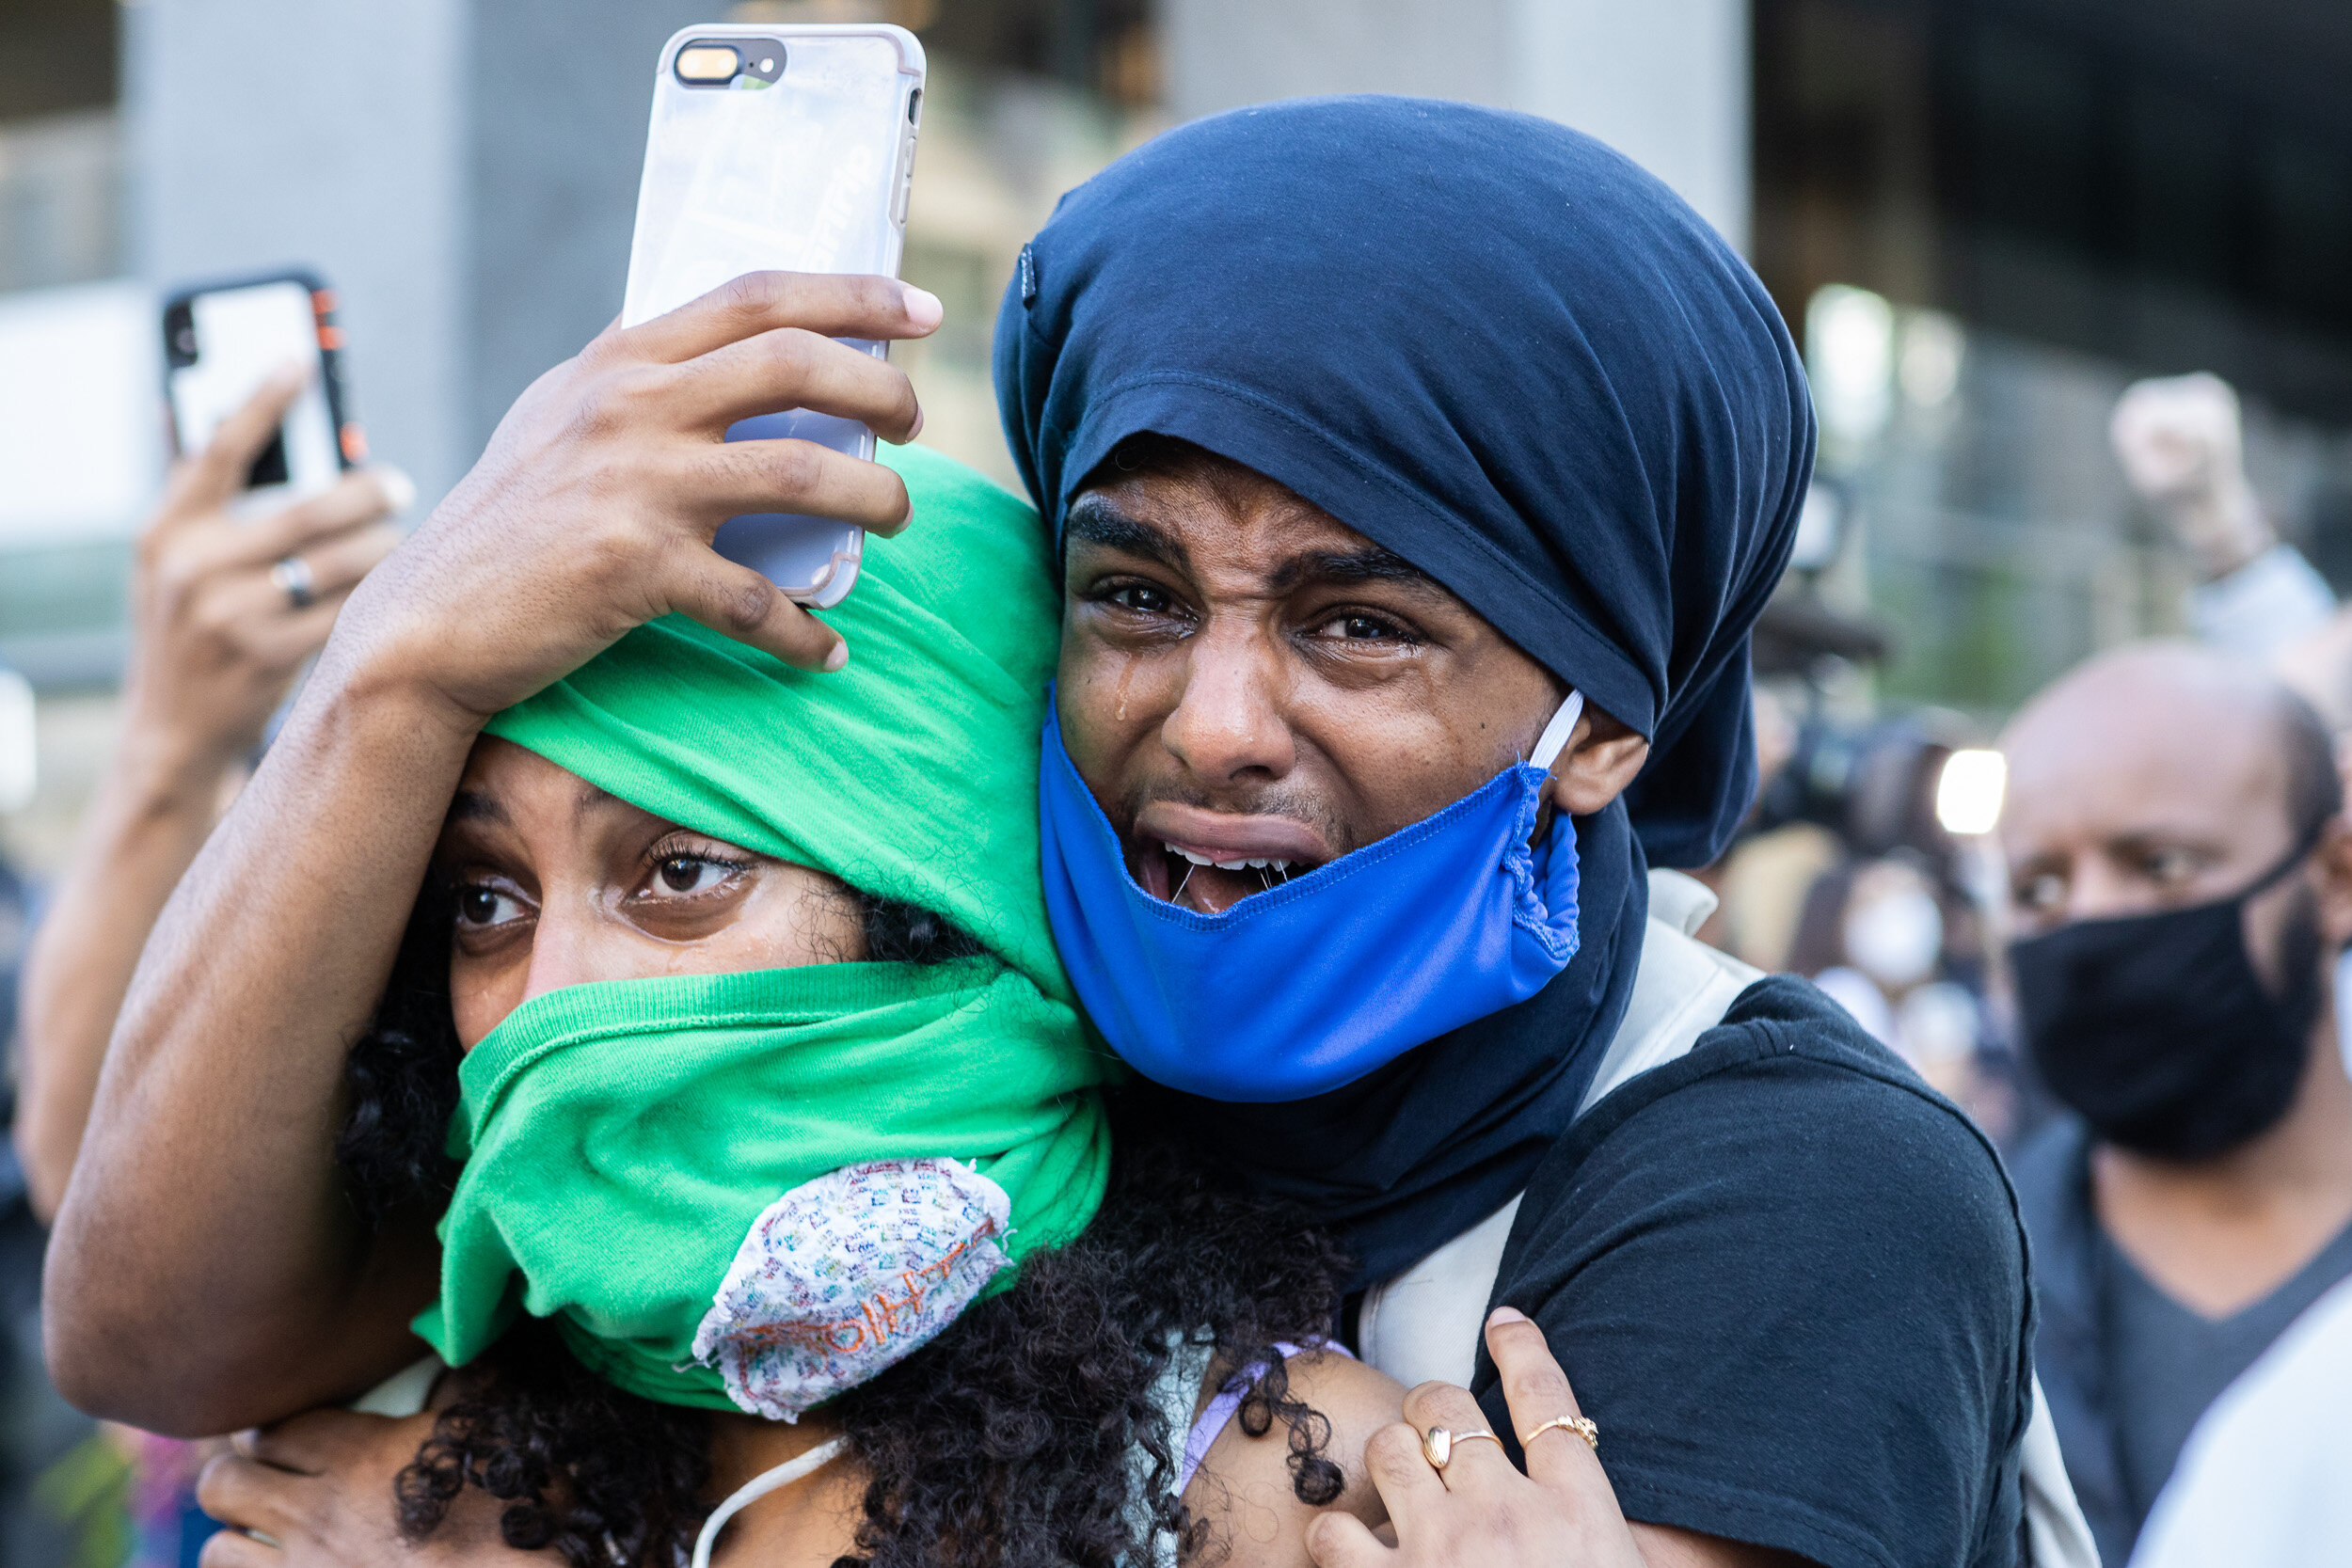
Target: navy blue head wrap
x,y
1501,350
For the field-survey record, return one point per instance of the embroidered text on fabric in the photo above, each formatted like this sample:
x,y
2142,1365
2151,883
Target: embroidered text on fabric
x,y
848,1275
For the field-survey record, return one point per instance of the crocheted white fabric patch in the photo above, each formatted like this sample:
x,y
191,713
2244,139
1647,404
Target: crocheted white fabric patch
x,y
848,1275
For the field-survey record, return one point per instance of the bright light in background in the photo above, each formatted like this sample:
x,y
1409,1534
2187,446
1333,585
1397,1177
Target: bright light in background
x,y
18,751
1968,792
1930,368
1817,529
1849,354
81,413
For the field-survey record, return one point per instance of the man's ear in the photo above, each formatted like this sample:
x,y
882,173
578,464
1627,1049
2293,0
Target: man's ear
x,y
2331,875
1600,759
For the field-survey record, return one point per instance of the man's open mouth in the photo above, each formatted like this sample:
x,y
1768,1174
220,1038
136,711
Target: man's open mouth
x,y
1209,886
1208,862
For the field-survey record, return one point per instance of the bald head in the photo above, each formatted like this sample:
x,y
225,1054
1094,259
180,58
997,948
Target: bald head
x,y
2158,776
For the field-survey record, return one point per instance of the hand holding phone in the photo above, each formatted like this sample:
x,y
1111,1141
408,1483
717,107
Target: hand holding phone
x,y
787,148
218,634
592,507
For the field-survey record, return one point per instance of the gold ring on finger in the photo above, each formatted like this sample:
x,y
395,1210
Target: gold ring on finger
x,y
1437,1445
1582,1425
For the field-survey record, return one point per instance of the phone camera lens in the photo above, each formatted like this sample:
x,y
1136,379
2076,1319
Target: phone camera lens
x,y
186,341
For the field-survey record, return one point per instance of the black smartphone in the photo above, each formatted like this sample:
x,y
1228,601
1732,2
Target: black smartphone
x,y
223,339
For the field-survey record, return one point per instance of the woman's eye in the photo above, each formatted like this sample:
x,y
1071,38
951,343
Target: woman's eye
x,y
688,874
2172,865
479,906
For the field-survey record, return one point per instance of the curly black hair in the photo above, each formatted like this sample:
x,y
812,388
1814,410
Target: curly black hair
x,y
1026,1434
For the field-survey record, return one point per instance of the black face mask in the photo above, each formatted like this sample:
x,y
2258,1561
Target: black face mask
x,y
2156,1029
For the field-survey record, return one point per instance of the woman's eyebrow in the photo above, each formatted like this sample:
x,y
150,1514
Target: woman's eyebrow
x,y
475,805
592,799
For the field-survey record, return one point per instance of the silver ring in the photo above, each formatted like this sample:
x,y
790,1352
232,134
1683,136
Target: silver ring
x,y
291,577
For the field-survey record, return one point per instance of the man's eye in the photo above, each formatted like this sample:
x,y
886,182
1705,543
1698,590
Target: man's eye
x,y
689,874
1143,599
1360,628
2172,865
482,906
2045,891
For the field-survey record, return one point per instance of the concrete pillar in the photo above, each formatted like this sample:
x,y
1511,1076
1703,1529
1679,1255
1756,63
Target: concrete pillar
x,y
464,171
1664,81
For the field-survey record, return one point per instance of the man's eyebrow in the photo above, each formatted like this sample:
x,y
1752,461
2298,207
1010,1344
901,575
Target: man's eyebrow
x,y
2139,842
1372,564
1098,520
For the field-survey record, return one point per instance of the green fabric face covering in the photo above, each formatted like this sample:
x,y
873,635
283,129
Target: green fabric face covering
x,y
758,1189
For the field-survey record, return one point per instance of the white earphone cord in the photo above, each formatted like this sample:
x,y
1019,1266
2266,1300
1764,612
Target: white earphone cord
x,y
759,1487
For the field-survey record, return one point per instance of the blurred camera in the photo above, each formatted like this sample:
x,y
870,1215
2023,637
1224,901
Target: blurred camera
x,y
1876,787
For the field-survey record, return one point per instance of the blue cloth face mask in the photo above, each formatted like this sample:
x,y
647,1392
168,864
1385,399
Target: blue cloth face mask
x,y
1311,984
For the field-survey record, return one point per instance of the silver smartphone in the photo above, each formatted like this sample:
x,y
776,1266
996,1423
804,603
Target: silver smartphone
x,y
787,147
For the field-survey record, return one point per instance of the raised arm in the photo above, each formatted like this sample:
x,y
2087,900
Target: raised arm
x,y
218,643
207,1272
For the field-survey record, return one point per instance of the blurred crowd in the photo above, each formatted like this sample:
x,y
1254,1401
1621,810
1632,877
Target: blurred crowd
x,y
2191,1201
218,646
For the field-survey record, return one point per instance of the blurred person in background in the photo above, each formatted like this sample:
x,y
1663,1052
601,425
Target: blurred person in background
x,y
222,622
1902,951
2181,442
2181,882
2260,1483
61,1484
2260,1479
221,626
1871,934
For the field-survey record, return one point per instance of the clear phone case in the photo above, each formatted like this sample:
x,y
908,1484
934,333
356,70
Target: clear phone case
x,y
800,162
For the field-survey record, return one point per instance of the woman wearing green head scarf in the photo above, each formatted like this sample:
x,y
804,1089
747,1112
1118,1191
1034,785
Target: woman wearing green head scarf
x,y
633,1136
723,1047
776,1137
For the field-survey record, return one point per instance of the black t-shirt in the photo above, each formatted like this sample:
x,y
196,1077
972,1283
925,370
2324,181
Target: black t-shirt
x,y
1789,1282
